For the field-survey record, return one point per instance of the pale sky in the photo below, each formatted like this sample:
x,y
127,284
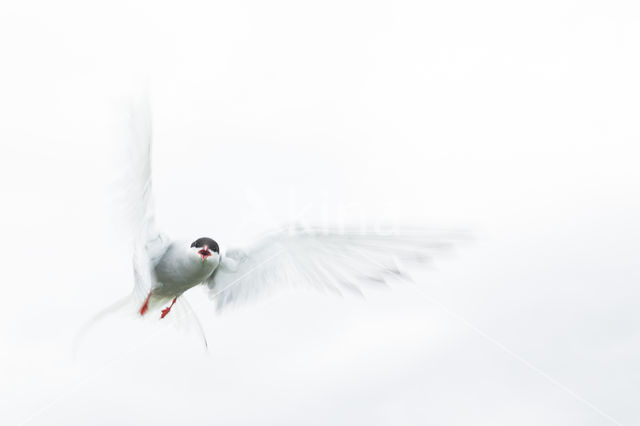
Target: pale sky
x,y
518,121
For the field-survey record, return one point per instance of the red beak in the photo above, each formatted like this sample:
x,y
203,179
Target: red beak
x,y
204,253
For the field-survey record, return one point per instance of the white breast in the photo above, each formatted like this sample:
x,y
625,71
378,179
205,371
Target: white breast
x,y
179,269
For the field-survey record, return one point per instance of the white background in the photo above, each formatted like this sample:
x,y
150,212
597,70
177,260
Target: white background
x,y
518,120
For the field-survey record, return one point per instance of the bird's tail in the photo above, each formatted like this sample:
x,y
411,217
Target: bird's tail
x,y
121,305
181,316
191,320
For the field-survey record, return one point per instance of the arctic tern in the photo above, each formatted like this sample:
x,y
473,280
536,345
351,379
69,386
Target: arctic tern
x,y
336,259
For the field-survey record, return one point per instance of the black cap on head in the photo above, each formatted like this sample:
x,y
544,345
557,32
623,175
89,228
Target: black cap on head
x,y
205,241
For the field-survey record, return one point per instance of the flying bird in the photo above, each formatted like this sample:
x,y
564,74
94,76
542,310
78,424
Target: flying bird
x,y
335,259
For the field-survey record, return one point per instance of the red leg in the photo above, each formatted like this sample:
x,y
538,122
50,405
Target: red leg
x,y
165,311
145,305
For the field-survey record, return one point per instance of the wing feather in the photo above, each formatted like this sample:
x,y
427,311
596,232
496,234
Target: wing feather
x,y
136,195
324,259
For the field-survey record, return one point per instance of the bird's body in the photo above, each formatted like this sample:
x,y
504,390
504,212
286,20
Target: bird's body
x,y
169,268
180,269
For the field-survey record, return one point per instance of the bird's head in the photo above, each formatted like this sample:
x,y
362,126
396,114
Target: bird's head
x,y
205,247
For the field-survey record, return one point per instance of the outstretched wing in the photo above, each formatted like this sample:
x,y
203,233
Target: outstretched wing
x,y
134,207
149,243
330,260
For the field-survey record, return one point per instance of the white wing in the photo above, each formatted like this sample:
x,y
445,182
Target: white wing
x,y
135,201
325,259
149,243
